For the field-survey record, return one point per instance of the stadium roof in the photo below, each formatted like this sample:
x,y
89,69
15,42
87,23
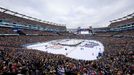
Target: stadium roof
x,y
123,18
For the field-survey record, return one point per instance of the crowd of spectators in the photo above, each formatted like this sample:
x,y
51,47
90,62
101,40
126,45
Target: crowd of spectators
x,y
127,33
14,59
6,30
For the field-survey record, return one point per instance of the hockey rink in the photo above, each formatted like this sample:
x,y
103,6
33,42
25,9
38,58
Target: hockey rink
x,y
74,48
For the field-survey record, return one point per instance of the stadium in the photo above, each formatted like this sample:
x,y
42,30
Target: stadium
x,y
31,46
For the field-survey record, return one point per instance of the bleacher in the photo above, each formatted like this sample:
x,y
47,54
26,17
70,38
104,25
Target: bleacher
x,y
118,28
6,30
11,20
129,19
122,22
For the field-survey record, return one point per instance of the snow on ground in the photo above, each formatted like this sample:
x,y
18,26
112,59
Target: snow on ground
x,y
74,48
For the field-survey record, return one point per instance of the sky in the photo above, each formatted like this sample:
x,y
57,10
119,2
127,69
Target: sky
x,y
73,13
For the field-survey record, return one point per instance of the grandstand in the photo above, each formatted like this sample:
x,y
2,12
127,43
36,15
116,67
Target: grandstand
x,y
13,20
17,30
126,20
119,27
122,24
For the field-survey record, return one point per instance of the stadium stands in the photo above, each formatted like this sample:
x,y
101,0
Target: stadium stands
x,y
124,22
118,28
119,61
5,30
129,19
27,23
15,59
126,33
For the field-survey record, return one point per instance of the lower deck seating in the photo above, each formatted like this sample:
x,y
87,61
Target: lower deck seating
x,y
116,60
4,30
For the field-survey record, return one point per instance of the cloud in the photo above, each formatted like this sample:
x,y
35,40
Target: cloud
x,y
73,13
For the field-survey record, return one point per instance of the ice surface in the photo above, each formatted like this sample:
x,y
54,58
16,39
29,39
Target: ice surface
x,y
73,48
